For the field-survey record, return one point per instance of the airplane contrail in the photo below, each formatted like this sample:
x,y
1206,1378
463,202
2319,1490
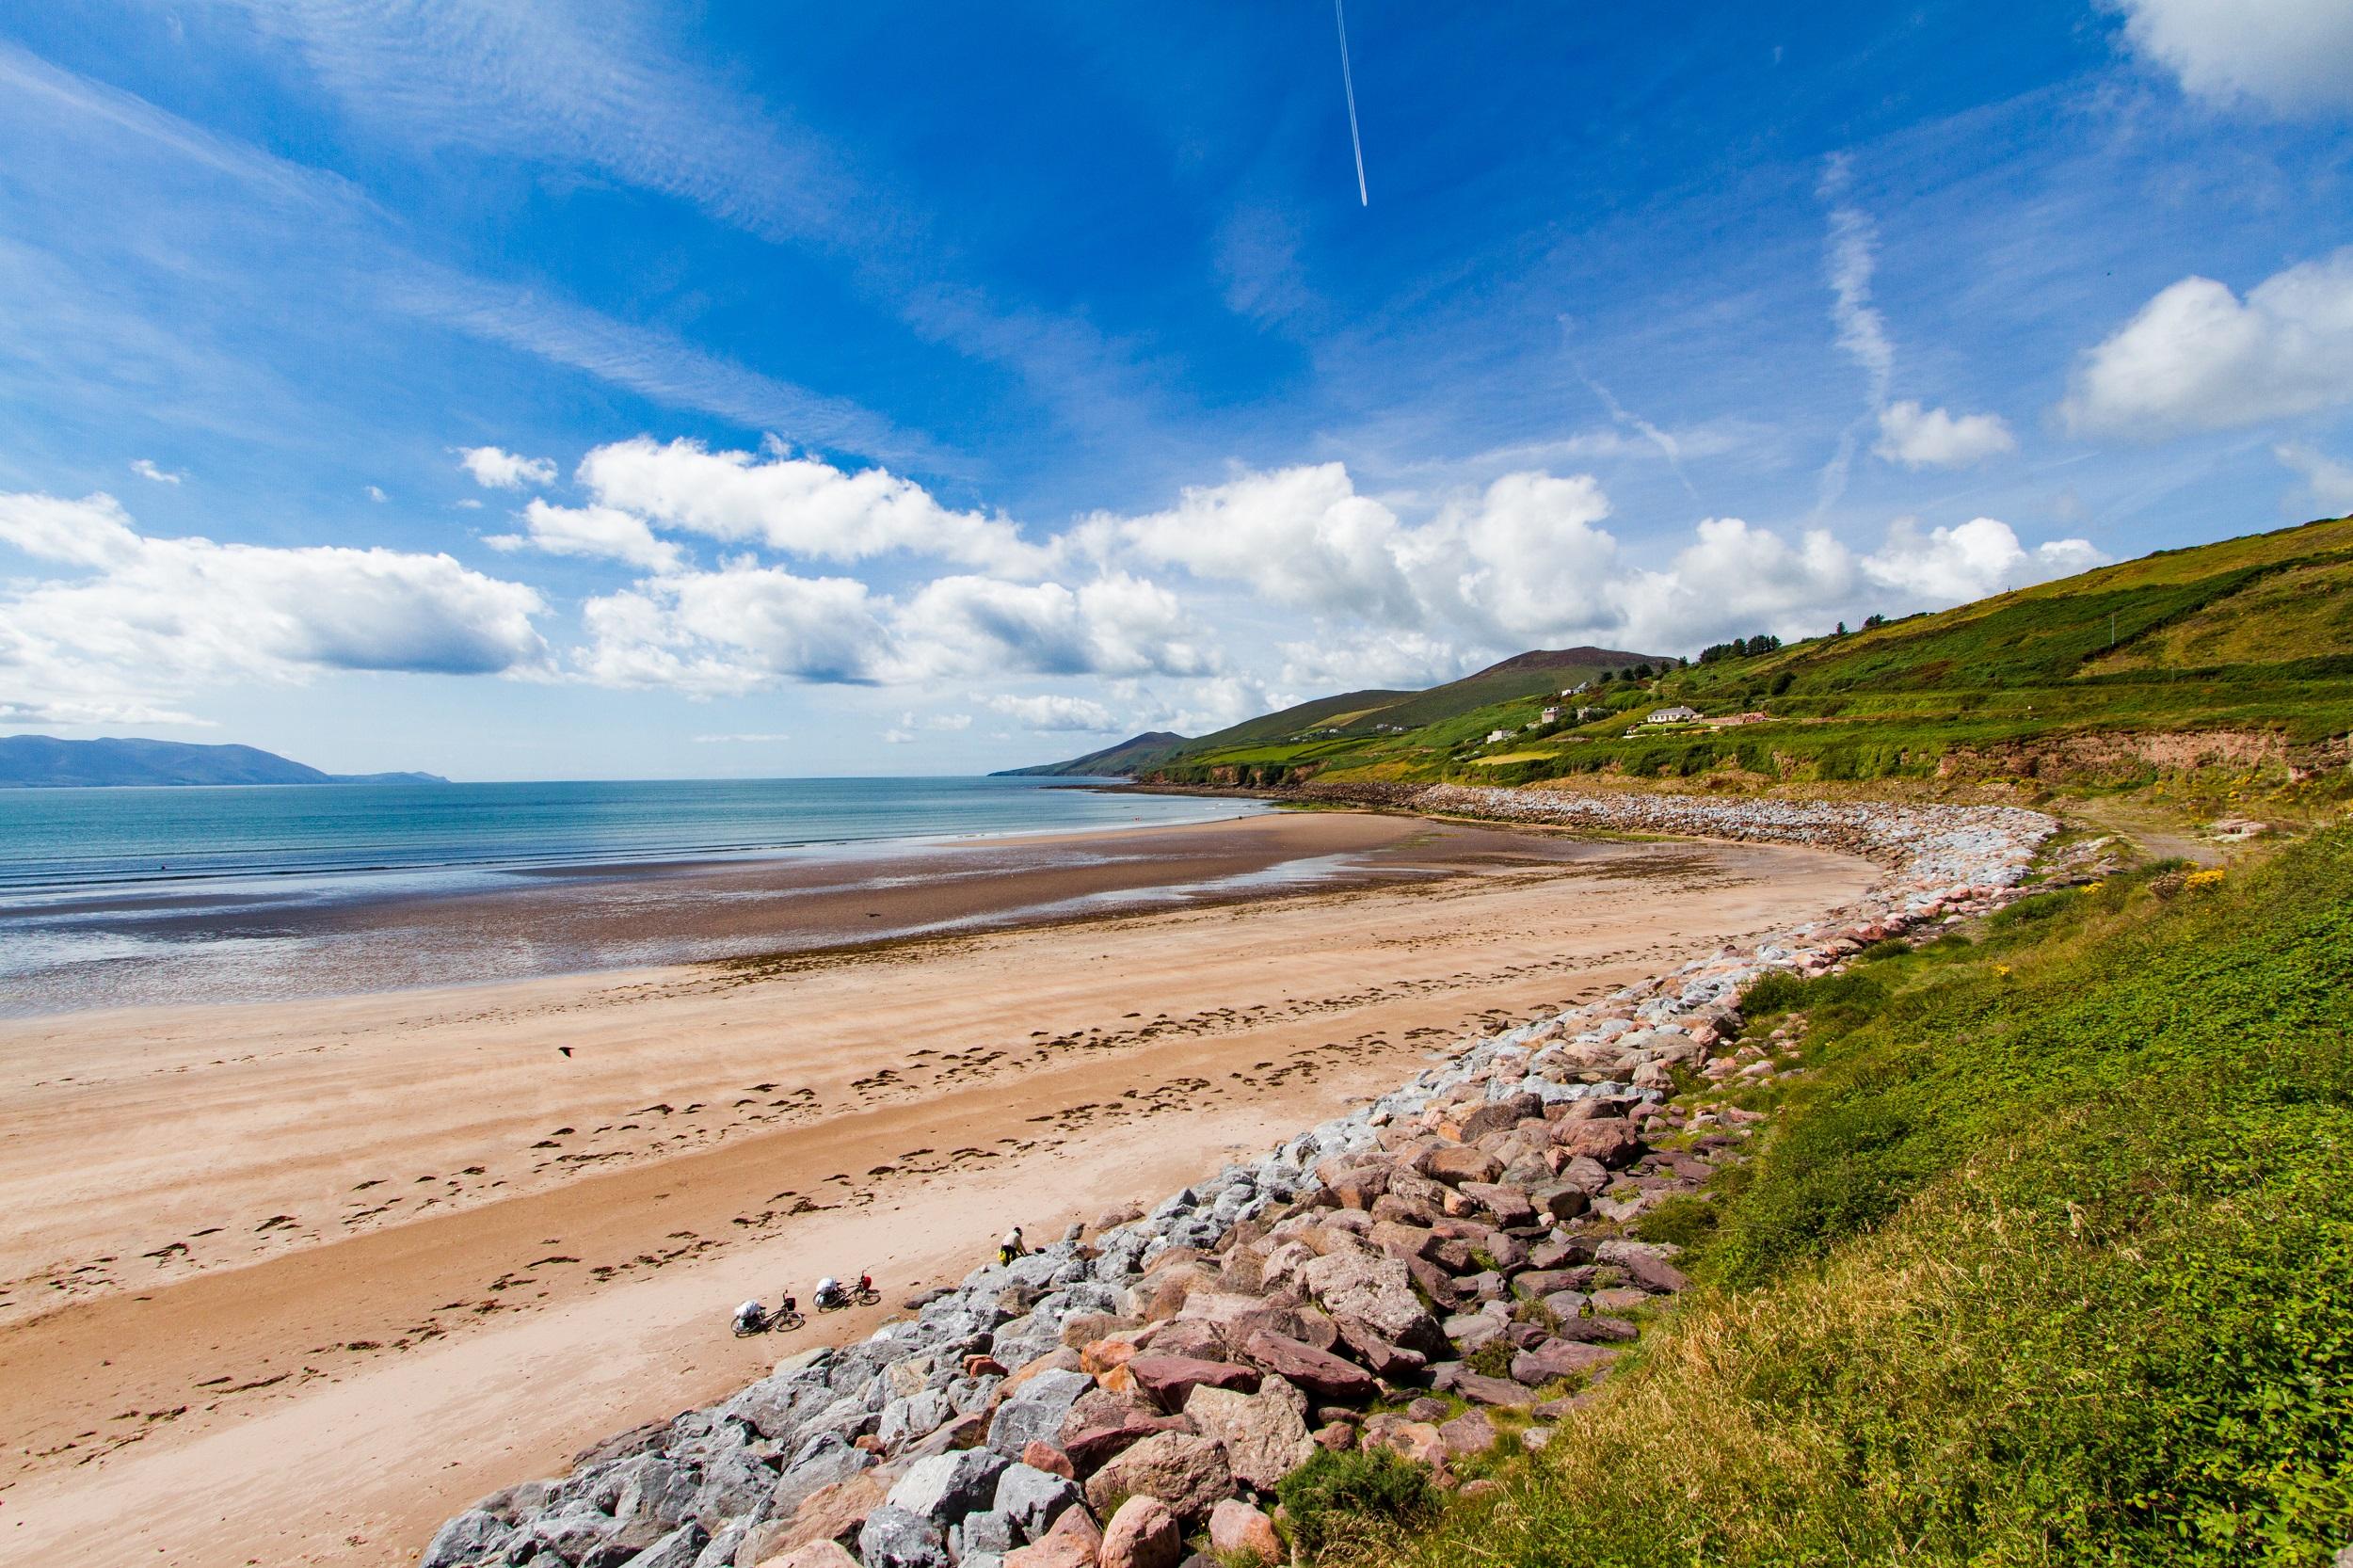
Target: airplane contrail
x,y
1341,16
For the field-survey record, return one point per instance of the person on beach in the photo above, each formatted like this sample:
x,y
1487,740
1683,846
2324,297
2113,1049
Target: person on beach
x,y
750,1318
1010,1248
829,1293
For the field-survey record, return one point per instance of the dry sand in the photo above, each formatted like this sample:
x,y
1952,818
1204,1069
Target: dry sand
x,y
290,1283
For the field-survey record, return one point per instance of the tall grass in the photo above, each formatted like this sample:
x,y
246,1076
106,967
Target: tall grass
x,y
2049,1260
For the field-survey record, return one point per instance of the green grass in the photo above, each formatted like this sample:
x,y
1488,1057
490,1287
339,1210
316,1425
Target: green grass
x,y
2048,1259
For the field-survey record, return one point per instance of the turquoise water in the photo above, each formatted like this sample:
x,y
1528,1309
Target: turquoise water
x,y
128,897
55,840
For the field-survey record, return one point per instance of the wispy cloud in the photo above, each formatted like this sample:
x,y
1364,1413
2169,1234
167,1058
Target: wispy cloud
x,y
542,83
145,467
1851,257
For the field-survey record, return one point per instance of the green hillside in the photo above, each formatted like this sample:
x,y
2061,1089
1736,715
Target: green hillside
x,y
2228,659
1336,728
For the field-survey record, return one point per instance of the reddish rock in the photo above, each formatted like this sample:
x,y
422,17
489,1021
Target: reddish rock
x,y
1192,1338
1071,1543
1169,1379
1187,1473
1241,1533
1560,1358
817,1554
1101,1355
1468,1434
1096,1441
1612,1144
1537,1283
1645,1269
1388,1207
1143,1534
1509,1205
829,1513
1358,1183
1479,1388
1598,1330
1264,1434
1404,1241
1054,1361
1499,1115
1620,1298
1323,1375
1044,1456
1416,1440
1395,1363
1454,1164
1338,1437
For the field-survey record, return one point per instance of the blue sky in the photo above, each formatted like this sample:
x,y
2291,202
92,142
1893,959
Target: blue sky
x,y
636,390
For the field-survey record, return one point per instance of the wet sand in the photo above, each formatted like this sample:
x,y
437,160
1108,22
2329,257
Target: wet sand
x,y
290,1283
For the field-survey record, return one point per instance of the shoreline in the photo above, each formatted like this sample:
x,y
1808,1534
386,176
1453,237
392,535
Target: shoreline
x,y
233,949
1214,1027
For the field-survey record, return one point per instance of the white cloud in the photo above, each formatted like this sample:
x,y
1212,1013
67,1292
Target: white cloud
x,y
796,505
145,467
376,494
467,504
2293,56
597,532
2197,358
1056,712
1982,556
2328,484
735,629
496,469
1932,438
136,616
1301,536
1396,661
1116,625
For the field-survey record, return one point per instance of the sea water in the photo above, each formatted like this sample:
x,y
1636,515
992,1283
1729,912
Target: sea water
x,y
101,880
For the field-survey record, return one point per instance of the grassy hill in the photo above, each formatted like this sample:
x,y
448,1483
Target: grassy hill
x,y
1336,727
2229,660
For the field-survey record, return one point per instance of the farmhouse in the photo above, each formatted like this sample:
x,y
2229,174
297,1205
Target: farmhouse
x,y
1672,715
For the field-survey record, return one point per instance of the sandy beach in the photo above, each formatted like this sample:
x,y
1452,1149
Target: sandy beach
x,y
290,1282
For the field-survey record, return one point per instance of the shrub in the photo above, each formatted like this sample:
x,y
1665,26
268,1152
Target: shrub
x,y
1357,1499
1776,992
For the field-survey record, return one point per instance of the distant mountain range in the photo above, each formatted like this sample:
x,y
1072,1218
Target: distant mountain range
x,y
42,761
1355,715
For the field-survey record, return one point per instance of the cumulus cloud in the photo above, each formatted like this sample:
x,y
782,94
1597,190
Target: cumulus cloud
x,y
1117,625
496,469
1301,536
134,616
2291,56
735,629
145,467
2198,357
2328,484
602,533
1057,712
1982,556
1932,438
796,505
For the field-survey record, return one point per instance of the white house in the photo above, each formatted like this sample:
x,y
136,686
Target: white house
x,y
1550,715
1674,715
1495,735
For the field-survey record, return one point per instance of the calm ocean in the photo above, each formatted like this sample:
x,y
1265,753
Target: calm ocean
x,y
83,841
115,897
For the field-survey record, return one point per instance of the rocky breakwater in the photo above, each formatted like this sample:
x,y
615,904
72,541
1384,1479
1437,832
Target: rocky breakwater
x,y
1450,1258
